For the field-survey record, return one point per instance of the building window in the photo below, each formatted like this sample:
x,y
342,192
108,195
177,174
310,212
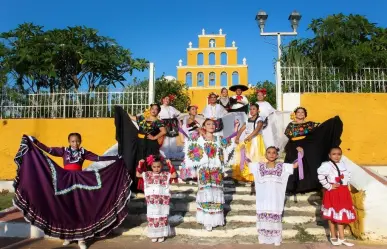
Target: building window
x,y
223,79
235,78
200,79
211,58
188,79
223,58
212,79
200,59
212,43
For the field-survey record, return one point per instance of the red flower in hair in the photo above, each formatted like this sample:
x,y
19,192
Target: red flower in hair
x,y
262,90
171,97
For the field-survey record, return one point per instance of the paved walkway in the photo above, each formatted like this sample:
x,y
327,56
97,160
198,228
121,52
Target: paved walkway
x,y
130,242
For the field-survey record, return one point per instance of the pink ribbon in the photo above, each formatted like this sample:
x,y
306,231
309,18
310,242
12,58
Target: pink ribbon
x,y
150,159
300,166
243,158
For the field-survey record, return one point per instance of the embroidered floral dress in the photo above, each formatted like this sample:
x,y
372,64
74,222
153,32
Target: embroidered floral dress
x,y
316,139
207,158
270,185
157,197
147,147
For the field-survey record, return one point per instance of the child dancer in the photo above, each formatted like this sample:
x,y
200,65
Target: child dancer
x,y
337,205
270,183
157,196
205,154
73,158
249,145
73,155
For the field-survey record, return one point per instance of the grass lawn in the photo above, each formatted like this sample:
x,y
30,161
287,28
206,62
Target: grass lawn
x,y
5,200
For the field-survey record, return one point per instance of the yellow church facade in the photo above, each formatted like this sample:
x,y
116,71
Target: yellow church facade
x,y
211,66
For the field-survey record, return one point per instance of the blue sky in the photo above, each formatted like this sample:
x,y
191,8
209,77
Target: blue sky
x,y
159,30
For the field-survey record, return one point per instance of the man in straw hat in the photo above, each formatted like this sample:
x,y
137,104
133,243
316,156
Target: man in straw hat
x,y
239,103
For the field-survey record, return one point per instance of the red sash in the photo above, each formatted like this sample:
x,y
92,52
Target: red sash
x,y
73,167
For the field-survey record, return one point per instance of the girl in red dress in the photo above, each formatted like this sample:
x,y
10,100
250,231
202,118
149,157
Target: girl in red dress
x,y
337,206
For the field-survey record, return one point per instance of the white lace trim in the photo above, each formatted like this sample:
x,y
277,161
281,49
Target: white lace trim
x,y
330,212
156,211
212,220
210,195
158,232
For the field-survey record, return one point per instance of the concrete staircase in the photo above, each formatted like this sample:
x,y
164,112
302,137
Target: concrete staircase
x,y
301,221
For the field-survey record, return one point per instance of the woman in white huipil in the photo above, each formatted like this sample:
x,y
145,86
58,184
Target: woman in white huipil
x,y
169,116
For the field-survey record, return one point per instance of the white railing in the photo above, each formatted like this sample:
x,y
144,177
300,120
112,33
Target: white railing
x,y
325,79
96,104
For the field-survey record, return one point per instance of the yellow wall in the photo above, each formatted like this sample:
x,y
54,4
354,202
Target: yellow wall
x,y
199,98
364,116
198,94
242,72
97,134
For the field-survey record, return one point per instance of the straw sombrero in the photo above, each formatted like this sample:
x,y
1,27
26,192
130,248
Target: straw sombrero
x,y
235,87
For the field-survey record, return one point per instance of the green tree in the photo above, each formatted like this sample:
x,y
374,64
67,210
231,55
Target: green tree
x,y
349,42
270,95
63,59
164,87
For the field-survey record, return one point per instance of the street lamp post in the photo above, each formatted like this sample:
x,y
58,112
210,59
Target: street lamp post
x,y
294,19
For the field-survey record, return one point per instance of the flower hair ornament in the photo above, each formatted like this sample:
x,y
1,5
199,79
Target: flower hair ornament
x,y
262,90
211,94
171,97
293,114
146,113
151,158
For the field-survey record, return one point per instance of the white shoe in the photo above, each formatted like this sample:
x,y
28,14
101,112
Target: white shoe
x,y
160,240
66,242
208,228
335,241
344,242
82,244
154,240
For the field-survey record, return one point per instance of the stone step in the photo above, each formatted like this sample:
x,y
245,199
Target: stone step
x,y
235,197
191,207
229,233
176,219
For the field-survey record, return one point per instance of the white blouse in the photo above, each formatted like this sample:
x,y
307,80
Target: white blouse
x,y
244,102
327,174
265,109
214,111
168,112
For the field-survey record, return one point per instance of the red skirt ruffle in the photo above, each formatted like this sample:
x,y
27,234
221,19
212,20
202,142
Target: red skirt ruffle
x,y
337,206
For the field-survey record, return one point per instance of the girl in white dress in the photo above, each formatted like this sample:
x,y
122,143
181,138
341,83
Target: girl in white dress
x,y
205,153
157,197
265,110
270,184
249,145
169,116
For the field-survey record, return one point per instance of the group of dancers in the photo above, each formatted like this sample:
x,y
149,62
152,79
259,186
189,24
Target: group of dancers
x,y
77,205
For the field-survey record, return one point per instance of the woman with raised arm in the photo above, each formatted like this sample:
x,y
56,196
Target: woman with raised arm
x,y
316,139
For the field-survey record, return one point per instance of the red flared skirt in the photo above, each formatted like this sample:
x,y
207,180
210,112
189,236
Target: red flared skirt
x,y
337,206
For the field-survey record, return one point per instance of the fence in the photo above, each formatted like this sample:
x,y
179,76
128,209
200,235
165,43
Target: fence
x,y
97,104
325,79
